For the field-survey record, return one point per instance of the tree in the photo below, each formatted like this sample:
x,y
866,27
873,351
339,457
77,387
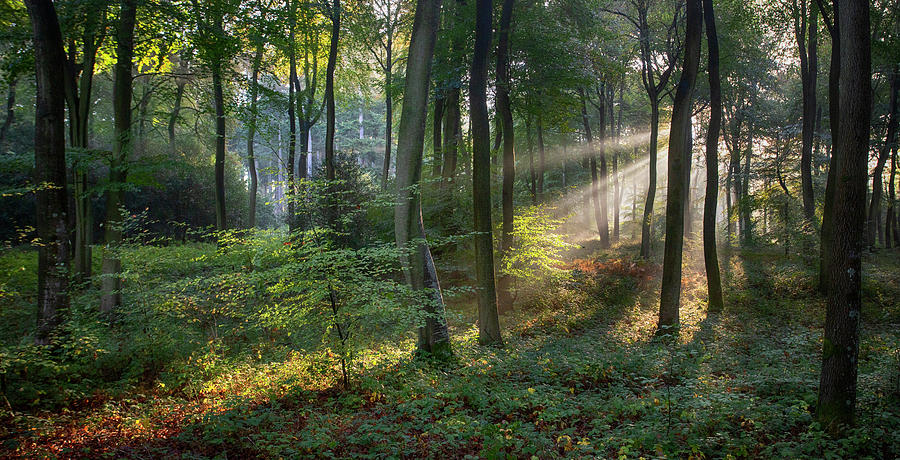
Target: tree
x,y
79,78
50,168
118,169
834,118
418,264
679,160
806,25
504,110
711,200
837,385
488,321
259,44
873,227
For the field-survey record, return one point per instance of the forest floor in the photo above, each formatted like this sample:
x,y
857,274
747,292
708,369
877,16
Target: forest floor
x,y
581,375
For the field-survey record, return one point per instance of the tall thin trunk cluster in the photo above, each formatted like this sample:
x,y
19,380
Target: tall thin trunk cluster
x,y
122,146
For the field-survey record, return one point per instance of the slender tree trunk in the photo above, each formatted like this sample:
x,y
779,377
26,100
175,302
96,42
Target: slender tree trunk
x,y
647,222
452,127
670,296
834,115
221,217
251,132
603,183
111,283
436,140
532,179
331,209
291,194
504,110
173,117
388,116
837,386
807,43
711,199
418,263
542,163
50,168
872,226
10,111
892,237
488,320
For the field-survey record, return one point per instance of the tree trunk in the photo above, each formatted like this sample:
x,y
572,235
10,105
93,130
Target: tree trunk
x,y
670,297
807,44
291,195
837,386
834,113
541,159
647,222
436,140
331,206
488,321
10,111
388,117
872,226
111,284
221,218
251,132
603,217
711,200
452,127
417,261
532,179
50,168
504,109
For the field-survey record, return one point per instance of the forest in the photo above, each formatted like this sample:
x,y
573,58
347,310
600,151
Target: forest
x,y
449,229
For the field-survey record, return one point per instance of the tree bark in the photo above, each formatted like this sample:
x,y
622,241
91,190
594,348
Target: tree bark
x,y
388,113
711,200
418,264
251,131
647,222
872,226
331,207
834,115
837,385
436,140
504,109
603,183
541,159
452,134
679,160
291,194
50,169
488,320
111,285
807,44
10,111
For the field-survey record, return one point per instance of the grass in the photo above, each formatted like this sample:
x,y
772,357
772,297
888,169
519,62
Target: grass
x,y
581,376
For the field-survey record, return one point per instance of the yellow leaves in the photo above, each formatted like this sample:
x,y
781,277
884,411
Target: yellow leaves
x,y
565,441
531,390
572,390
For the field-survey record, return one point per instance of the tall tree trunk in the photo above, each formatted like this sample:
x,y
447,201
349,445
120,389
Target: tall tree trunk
x,y
711,199
807,44
892,237
221,217
541,158
291,194
670,297
180,83
745,202
111,284
388,114
647,222
50,168
251,132
532,179
837,386
834,115
436,140
504,109
418,264
331,207
10,111
603,183
872,226
488,320
452,134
